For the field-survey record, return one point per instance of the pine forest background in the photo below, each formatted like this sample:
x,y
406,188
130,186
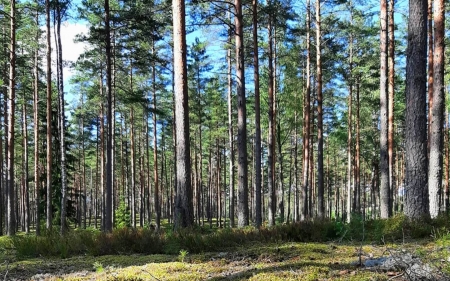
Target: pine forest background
x,y
297,110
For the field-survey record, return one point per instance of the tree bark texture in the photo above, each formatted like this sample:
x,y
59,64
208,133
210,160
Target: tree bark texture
x,y
258,177
184,210
11,202
243,212
384,160
436,136
416,201
320,171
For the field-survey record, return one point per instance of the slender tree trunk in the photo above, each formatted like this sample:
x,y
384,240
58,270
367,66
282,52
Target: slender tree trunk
x,y
49,121
447,163
108,219
133,169
391,95
384,159
155,149
61,120
258,177
243,212
102,156
437,111
271,137
280,176
416,203
349,136
36,133
306,120
297,191
184,210
358,151
25,169
320,173
430,67
11,112
230,134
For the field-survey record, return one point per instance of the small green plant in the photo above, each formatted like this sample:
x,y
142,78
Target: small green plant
x,y
98,266
123,215
182,255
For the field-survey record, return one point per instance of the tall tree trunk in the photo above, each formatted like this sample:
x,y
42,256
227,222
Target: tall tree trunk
x,y
306,120
430,67
108,219
61,118
36,133
155,149
133,169
25,194
243,212
357,152
297,191
349,135
11,112
184,210
391,95
447,163
280,175
102,155
416,203
384,160
258,177
271,137
49,120
320,173
437,111
230,133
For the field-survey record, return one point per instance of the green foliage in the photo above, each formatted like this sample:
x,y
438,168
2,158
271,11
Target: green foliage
x,y
182,255
198,240
98,266
123,215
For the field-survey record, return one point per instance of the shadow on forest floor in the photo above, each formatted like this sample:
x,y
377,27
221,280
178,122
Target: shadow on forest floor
x,y
255,261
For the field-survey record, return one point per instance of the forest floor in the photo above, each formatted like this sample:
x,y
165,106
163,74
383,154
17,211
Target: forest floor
x,y
256,261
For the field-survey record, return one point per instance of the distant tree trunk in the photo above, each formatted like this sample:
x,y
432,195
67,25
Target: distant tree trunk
x,y
416,203
102,155
49,120
60,81
384,160
437,111
349,136
155,149
108,219
271,137
320,173
230,133
11,112
391,95
306,120
297,191
184,210
243,212
258,177
36,132
430,67
447,162
280,175
133,169
25,194
357,153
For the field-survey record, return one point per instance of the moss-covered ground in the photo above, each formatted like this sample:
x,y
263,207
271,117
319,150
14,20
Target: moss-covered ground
x,y
256,261
301,251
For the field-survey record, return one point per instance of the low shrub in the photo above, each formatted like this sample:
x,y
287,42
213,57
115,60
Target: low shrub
x,y
197,240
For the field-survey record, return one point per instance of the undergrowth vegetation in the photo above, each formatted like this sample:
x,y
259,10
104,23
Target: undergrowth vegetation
x,y
198,240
